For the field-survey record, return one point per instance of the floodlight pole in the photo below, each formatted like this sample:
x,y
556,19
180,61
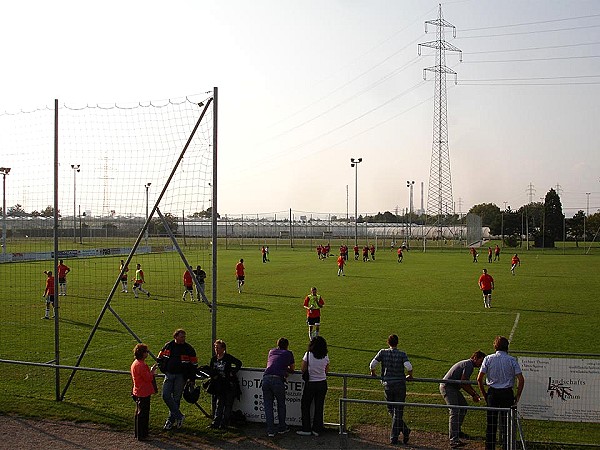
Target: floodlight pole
x,y
4,171
147,185
354,163
410,185
587,213
76,168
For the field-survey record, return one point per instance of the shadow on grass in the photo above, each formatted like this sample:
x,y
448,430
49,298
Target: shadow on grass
x,y
238,306
89,326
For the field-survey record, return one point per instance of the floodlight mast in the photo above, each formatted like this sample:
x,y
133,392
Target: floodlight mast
x,y
4,171
354,163
76,168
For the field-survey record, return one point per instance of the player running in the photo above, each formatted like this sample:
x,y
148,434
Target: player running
x,y
139,280
239,275
188,285
123,268
514,262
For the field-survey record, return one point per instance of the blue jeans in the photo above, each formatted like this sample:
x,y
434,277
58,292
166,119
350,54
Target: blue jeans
x,y
396,393
172,392
273,388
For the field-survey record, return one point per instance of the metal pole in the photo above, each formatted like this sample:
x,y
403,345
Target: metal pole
x,y
354,163
147,186
214,212
4,171
587,213
76,168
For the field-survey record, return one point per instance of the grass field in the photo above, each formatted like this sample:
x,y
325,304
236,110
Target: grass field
x,y
431,301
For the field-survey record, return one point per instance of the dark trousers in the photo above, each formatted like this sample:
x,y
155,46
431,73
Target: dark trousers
x,y
313,391
142,417
498,398
222,405
396,393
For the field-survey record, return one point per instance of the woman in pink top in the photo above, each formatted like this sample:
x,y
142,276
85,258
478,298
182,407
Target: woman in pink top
x,y
143,388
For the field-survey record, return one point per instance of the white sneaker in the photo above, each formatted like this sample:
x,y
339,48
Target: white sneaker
x,y
304,433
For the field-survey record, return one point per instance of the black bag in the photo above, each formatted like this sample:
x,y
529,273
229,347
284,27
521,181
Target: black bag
x,y
305,375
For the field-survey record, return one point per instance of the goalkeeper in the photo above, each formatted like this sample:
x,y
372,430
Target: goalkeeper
x,y
313,304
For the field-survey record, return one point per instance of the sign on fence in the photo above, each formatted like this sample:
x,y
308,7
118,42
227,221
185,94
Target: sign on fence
x,y
565,390
251,401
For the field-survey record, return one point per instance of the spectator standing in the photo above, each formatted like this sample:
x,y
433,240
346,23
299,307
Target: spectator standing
x,y
498,371
316,363
49,294
143,388
123,269
240,275
177,360
461,371
139,281
313,304
280,363
62,270
486,284
393,363
224,368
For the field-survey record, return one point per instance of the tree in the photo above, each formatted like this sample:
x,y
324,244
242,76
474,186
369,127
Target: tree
x,y
158,227
204,214
16,211
575,227
491,216
554,219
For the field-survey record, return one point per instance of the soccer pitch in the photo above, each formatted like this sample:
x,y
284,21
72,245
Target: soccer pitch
x,y
431,300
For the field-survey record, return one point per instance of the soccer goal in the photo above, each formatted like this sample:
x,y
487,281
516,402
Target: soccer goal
x,y
122,194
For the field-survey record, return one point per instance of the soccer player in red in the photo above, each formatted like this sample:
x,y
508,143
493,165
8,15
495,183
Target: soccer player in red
x,y
356,252
49,294
123,268
497,253
239,275
188,285
486,284
400,257
340,262
313,304
372,250
62,271
514,262
490,255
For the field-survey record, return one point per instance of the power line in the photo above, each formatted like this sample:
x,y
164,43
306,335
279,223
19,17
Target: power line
x,y
532,23
530,32
550,47
554,58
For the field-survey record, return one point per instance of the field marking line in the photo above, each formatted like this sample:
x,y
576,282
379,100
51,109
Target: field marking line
x,y
514,328
443,311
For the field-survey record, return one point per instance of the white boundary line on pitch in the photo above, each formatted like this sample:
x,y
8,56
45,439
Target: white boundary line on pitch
x,y
514,328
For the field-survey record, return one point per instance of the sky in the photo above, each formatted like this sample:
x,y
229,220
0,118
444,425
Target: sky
x,y
304,86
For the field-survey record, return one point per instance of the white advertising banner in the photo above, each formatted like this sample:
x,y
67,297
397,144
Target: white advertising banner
x,y
251,401
565,390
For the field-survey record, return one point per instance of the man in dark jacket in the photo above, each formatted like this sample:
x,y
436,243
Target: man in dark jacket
x,y
178,361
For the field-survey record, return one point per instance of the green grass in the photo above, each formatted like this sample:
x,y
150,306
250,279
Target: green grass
x,y
431,301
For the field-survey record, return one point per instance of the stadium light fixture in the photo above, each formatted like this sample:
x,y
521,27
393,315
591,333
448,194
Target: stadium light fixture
x,y
76,168
4,171
410,185
147,186
354,163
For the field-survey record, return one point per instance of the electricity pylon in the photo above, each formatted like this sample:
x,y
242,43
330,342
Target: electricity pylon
x,y
439,198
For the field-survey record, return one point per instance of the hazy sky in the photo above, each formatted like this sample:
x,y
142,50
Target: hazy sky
x,y
306,85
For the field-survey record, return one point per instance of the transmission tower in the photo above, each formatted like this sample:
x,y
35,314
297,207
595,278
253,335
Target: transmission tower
x,y
439,199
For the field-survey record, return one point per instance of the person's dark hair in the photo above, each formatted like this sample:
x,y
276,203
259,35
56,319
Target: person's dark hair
x,y
139,350
501,343
477,355
283,343
393,340
318,347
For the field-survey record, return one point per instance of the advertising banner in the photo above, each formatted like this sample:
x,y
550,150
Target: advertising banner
x,y
251,401
559,389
